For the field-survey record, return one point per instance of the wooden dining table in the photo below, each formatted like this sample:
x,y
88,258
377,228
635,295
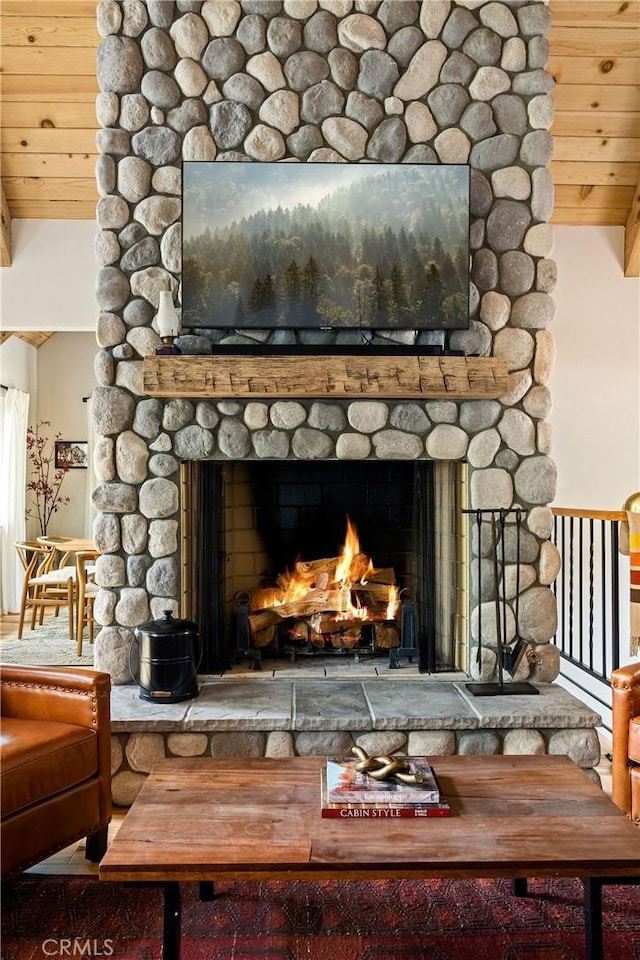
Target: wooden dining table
x,y
75,545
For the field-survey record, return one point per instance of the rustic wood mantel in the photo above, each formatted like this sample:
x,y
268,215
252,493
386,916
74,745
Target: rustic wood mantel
x,y
260,377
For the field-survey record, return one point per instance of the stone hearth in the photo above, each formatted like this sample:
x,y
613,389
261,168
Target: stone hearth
x,y
287,712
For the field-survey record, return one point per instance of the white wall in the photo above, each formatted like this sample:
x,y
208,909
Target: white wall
x,y
65,376
56,376
51,281
595,387
19,367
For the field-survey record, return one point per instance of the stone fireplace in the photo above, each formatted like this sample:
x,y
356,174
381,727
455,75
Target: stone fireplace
x,y
447,81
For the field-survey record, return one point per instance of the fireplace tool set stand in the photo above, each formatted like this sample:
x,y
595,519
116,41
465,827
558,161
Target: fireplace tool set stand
x,y
509,655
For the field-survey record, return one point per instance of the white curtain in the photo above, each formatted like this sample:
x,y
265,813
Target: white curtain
x,y
90,510
13,481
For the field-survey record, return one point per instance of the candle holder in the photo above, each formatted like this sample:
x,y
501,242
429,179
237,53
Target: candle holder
x,y
168,324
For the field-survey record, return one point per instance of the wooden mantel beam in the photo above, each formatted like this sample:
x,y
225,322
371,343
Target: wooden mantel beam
x,y
5,231
252,377
632,238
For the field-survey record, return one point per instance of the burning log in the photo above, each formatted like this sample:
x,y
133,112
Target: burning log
x,y
372,593
345,638
312,568
263,627
316,601
383,575
264,598
387,636
328,601
304,630
330,570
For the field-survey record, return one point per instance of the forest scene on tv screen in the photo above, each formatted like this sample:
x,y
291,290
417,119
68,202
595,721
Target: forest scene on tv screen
x,y
312,245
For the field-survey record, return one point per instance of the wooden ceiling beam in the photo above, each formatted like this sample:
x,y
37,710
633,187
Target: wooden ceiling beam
x,y
5,231
632,238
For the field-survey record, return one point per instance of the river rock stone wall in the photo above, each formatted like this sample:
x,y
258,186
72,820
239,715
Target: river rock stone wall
x,y
322,80
134,755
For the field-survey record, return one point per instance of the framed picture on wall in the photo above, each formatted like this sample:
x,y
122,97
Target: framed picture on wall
x,y
72,454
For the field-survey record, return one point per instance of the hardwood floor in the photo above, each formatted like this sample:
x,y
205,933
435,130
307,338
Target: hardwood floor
x,y
9,626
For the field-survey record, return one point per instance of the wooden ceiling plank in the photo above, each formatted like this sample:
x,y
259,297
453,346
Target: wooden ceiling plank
x,y
34,337
48,165
54,209
588,195
5,230
625,174
39,31
575,217
74,89
49,8
602,97
580,123
596,13
41,61
601,149
632,238
50,188
593,42
624,70
76,115
47,140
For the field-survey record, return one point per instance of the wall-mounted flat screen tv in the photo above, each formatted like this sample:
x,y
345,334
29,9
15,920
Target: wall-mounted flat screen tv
x,y
325,245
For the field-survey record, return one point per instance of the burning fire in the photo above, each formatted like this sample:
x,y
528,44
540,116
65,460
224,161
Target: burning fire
x,y
393,602
332,585
353,566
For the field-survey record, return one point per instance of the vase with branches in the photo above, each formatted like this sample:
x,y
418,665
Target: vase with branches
x,y
46,479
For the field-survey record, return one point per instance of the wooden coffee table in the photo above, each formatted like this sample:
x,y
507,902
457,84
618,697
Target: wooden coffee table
x,y
511,817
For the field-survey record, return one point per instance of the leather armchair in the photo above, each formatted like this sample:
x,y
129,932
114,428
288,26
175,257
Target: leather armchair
x,y
625,765
55,762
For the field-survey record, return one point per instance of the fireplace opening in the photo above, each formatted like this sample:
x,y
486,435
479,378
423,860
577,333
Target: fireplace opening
x,y
291,559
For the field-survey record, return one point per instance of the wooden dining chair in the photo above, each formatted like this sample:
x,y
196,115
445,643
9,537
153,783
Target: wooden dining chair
x,y
64,562
86,594
43,585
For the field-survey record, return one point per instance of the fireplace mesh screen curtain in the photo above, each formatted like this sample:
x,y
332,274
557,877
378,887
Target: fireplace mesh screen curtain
x,y
440,550
450,548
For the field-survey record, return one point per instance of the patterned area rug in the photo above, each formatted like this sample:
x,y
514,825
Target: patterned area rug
x,y
48,645
325,920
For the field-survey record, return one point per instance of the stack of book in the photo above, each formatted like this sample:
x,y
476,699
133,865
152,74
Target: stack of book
x,y
349,793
